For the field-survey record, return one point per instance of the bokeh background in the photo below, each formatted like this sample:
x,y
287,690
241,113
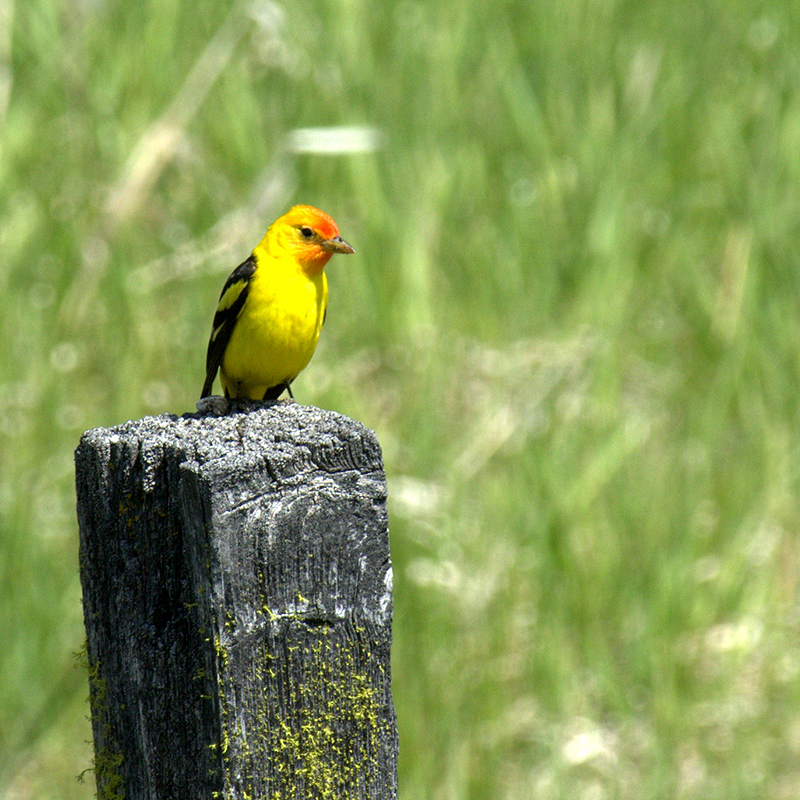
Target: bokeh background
x,y
573,320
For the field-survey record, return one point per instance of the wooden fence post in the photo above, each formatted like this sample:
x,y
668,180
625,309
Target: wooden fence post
x,y
237,591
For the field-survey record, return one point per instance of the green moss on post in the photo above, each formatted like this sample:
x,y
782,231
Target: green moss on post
x,y
237,598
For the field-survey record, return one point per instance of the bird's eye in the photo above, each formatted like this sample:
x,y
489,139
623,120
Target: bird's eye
x,y
306,232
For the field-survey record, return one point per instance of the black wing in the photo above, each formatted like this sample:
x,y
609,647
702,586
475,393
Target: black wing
x,y
231,302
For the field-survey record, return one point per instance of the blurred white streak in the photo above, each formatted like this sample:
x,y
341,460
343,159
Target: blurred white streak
x,y
417,499
335,140
589,744
268,15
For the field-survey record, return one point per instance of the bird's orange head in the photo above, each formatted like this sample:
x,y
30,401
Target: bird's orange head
x,y
306,234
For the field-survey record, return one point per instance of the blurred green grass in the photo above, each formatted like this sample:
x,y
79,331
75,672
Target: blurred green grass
x,y
572,319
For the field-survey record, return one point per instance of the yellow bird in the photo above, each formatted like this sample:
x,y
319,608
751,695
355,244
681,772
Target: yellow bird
x,y
272,307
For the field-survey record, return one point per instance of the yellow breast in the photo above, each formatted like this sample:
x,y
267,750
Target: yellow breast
x,y
278,329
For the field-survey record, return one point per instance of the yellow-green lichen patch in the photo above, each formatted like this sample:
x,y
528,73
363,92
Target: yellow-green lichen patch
x,y
222,653
108,758
107,774
317,719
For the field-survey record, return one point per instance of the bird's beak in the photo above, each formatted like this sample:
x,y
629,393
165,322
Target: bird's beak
x,y
336,245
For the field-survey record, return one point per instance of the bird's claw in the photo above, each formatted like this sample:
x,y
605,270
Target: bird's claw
x,y
217,405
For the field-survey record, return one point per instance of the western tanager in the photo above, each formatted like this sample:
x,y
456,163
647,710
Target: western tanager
x,y
272,307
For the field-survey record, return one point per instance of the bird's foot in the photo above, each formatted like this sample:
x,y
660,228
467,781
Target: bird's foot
x,y
217,405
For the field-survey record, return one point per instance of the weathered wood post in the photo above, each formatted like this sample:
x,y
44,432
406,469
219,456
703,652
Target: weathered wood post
x,y
237,593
